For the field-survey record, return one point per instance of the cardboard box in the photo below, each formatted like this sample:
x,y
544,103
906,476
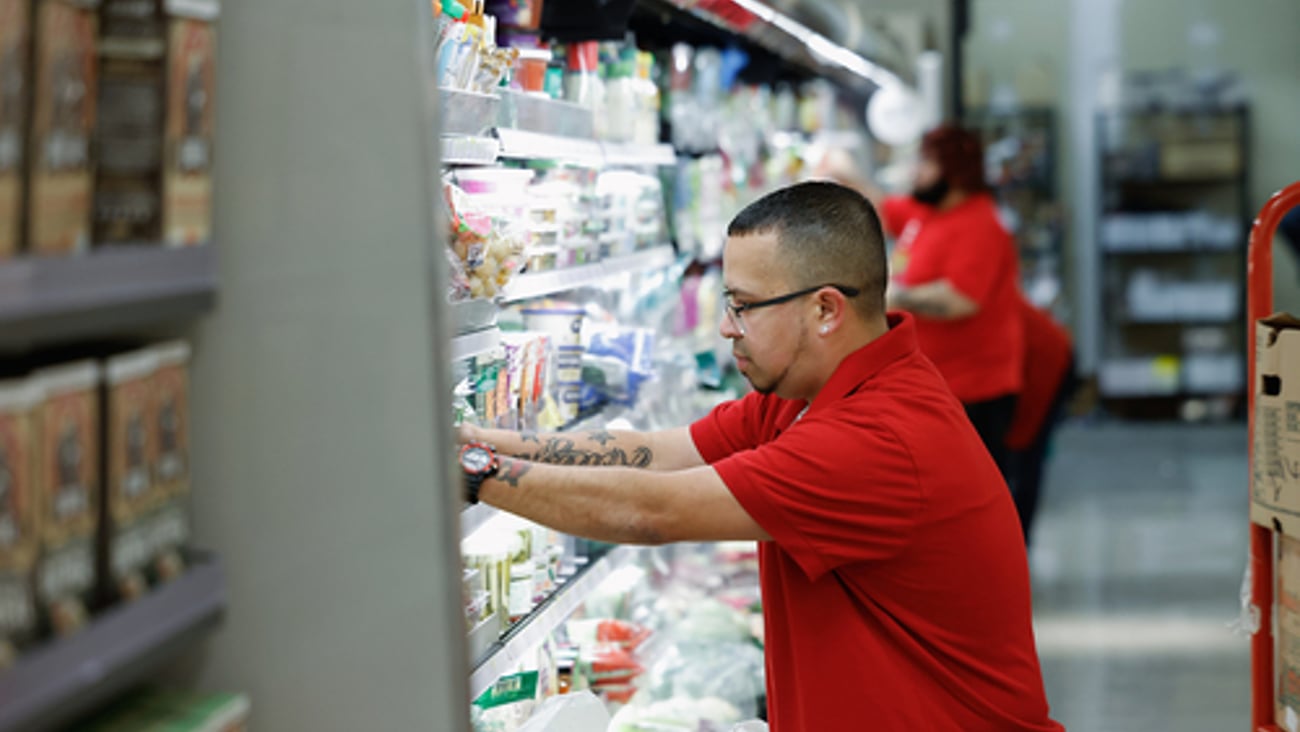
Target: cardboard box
x,y
67,476
131,442
59,175
155,129
19,537
190,132
15,37
169,522
1275,478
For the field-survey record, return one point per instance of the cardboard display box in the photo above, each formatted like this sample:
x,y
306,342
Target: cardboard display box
x,y
1275,479
59,175
15,39
154,178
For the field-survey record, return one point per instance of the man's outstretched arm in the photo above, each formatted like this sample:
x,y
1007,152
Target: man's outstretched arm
x,y
663,450
622,505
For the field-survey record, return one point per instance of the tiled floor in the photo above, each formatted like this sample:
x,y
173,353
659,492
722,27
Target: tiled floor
x,y
1137,567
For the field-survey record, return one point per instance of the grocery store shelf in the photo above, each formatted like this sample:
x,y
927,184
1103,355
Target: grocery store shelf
x,y
1198,249
1181,319
120,648
473,344
622,153
105,292
506,654
539,284
525,145
771,29
469,150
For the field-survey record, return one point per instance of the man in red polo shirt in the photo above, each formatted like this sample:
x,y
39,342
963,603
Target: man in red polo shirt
x,y
955,267
895,585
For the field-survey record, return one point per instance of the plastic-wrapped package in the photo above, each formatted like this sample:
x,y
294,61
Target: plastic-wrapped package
x,y
490,247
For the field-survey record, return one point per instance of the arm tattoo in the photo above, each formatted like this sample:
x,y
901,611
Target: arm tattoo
x,y
601,436
529,436
562,451
921,305
512,471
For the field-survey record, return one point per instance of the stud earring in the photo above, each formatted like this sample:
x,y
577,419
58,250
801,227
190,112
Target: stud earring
x,y
825,329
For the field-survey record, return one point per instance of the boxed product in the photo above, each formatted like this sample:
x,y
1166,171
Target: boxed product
x,y
1275,467
129,122
15,35
155,122
19,540
190,129
59,175
67,479
131,445
171,471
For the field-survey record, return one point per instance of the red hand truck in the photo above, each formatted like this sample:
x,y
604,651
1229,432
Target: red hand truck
x,y
1259,283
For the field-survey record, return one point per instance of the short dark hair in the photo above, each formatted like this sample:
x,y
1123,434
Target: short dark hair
x,y
826,234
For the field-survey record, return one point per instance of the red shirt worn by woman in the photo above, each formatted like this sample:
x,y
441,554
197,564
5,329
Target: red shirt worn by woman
x,y
979,356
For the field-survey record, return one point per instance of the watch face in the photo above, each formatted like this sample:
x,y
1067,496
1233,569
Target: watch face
x,y
475,459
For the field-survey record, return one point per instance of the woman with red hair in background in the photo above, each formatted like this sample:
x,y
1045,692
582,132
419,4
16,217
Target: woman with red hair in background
x,y
955,267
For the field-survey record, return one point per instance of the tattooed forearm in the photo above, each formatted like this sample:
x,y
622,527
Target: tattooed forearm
x,y
512,470
907,300
562,451
529,436
601,436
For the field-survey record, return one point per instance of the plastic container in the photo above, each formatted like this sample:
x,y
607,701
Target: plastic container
x,y
530,69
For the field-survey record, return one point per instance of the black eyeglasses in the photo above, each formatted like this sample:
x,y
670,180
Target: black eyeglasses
x,y
735,311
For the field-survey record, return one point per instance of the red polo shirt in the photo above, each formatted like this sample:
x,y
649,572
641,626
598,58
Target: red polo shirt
x,y
980,356
895,589
1047,362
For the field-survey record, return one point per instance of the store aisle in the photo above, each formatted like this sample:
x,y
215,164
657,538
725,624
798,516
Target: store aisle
x,y
1137,570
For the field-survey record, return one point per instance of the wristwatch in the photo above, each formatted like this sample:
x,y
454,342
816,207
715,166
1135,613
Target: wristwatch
x,y
479,461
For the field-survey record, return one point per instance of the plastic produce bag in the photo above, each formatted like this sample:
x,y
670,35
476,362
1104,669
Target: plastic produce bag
x,y
732,672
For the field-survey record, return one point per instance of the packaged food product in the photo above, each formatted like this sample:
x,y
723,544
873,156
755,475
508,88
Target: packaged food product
x,y
59,178
67,477
131,444
190,130
489,246
15,37
19,538
169,519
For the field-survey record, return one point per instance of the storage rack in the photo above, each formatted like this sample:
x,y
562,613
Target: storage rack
x,y
1025,185
106,293
1174,207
